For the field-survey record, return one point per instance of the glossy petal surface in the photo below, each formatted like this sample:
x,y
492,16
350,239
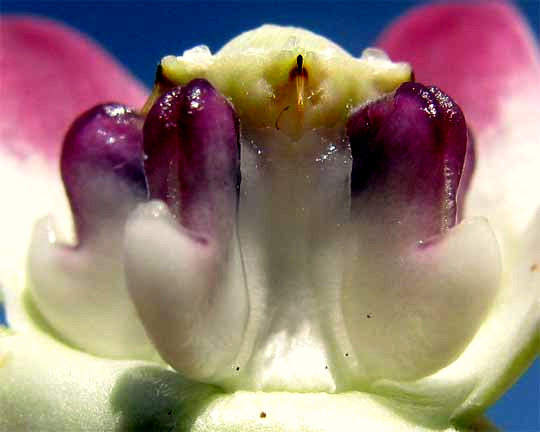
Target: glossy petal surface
x,y
102,169
80,289
410,268
408,155
44,64
183,265
484,56
193,158
488,50
282,240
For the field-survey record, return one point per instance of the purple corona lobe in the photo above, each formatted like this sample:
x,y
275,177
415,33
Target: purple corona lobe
x,y
182,258
161,138
408,152
412,262
193,158
102,167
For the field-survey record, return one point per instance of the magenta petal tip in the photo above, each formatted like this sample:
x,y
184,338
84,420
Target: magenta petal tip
x,y
408,155
476,51
41,97
102,168
191,140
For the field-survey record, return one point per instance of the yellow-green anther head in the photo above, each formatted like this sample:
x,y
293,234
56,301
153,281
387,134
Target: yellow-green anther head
x,y
289,78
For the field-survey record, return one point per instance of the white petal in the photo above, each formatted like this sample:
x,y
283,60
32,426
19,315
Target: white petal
x,y
82,294
504,187
504,347
32,189
413,314
193,308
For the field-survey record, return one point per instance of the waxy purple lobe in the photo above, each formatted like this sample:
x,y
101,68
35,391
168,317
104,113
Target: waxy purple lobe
x,y
191,141
182,260
408,154
102,167
412,265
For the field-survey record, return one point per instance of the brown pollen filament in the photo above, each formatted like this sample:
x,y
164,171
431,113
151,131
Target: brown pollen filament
x,y
300,75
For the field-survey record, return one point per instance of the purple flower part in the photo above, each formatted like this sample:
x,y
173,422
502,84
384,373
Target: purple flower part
x,y
74,73
191,139
102,168
408,154
479,52
161,146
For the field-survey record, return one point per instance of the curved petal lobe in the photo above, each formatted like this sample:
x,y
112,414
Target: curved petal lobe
x,y
182,262
484,56
50,74
81,290
412,266
474,51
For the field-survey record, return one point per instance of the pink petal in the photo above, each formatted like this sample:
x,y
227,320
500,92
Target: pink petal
x,y
475,51
50,74
484,56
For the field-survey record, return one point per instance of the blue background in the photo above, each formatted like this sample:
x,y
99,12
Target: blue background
x,y
140,33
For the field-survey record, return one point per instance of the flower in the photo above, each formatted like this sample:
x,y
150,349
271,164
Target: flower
x,y
398,369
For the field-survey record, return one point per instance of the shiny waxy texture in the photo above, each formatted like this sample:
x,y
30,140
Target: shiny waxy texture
x,y
44,63
410,266
102,170
193,157
493,73
297,243
183,264
408,154
294,194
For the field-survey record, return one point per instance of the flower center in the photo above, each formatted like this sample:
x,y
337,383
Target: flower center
x,y
290,242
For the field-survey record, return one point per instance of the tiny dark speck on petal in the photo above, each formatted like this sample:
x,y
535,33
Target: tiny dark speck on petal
x,y
346,354
237,368
262,414
368,315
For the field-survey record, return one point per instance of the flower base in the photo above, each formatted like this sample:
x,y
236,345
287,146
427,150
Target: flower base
x,y
48,386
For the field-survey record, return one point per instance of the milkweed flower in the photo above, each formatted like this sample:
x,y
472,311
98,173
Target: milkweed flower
x,y
280,237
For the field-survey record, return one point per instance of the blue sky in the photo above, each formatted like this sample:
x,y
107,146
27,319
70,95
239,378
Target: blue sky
x,y
140,33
